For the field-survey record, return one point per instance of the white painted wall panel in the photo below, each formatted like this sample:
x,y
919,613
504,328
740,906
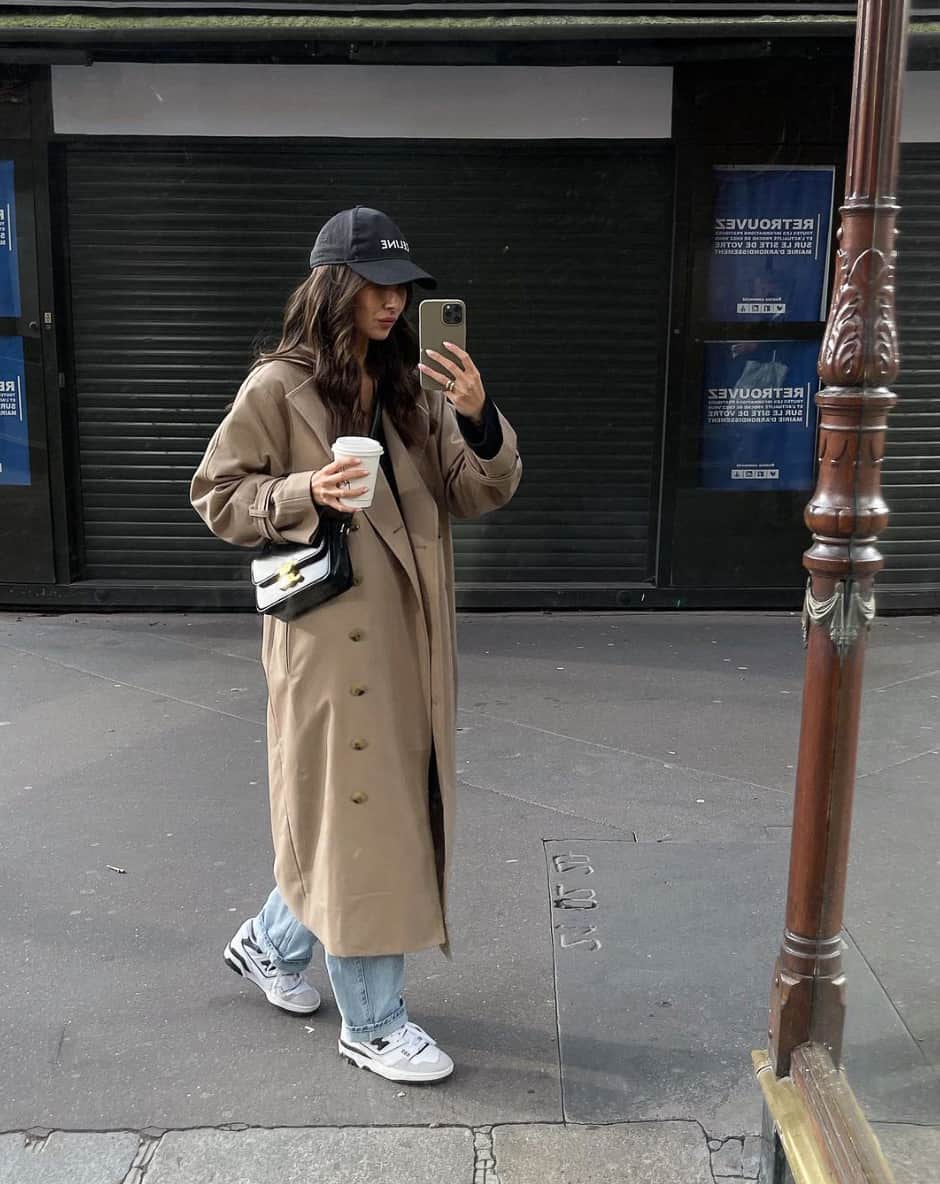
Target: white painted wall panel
x,y
424,102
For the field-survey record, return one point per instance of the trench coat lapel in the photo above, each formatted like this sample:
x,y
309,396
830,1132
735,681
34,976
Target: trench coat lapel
x,y
418,508
387,522
311,409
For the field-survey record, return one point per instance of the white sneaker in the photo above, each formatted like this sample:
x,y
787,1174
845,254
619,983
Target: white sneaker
x,y
408,1054
289,992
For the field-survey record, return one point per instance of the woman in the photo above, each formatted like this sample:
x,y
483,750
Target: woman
x,y
361,690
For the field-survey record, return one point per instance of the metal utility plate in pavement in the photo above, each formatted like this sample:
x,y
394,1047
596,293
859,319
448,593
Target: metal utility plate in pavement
x,y
663,956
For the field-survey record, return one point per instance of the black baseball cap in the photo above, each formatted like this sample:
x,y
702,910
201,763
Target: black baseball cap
x,y
371,245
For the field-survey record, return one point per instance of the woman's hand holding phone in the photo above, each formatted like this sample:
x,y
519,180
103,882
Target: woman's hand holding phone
x,y
467,395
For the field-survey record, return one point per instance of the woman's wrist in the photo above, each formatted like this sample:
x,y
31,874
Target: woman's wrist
x,y
482,436
477,415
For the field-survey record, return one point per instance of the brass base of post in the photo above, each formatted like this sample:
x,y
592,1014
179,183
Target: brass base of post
x,y
789,1145
808,998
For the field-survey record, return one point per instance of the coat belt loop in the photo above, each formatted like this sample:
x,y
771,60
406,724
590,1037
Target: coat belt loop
x,y
261,512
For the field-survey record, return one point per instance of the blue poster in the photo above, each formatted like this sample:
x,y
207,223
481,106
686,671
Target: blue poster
x,y
9,269
770,244
14,426
759,415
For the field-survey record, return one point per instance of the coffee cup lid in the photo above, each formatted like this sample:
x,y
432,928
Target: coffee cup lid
x,y
358,445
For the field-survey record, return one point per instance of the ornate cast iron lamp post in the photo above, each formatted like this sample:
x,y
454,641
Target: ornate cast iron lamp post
x,y
859,361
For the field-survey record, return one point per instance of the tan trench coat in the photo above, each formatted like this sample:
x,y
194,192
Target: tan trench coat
x,y
359,688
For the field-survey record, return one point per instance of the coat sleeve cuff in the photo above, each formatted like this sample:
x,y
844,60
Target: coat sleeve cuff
x,y
505,462
292,511
485,438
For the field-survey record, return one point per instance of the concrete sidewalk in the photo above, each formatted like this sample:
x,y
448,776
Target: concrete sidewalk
x,y
620,875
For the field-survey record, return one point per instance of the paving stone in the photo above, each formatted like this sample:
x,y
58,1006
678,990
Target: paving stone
x,y
892,896
329,1155
750,1161
898,719
912,1151
727,1160
655,798
67,1157
628,1153
885,1066
642,1036
664,684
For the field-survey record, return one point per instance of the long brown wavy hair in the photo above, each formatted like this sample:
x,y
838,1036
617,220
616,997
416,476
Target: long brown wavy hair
x,y
319,332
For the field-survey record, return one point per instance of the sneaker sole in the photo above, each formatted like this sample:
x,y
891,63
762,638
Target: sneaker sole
x,y
402,1077
233,962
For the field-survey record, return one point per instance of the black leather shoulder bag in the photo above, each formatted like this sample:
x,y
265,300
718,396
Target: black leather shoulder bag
x,y
291,580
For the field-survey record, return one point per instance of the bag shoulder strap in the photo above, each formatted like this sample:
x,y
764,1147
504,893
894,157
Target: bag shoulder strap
x,y
377,414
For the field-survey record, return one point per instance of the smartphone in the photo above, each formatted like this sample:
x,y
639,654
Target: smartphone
x,y
440,321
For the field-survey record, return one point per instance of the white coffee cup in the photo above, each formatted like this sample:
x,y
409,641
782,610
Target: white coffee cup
x,y
370,452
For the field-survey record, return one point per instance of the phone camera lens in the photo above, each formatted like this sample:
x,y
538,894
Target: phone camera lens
x,y
453,314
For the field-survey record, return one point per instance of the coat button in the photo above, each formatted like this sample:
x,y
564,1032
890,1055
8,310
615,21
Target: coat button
x,y
354,526
357,581
355,635
359,745
359,797
357,689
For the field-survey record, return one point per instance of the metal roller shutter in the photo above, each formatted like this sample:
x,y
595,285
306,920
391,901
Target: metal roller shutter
x,y
911,543
180,256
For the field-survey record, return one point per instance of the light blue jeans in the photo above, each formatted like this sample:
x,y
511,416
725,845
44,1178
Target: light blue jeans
x,y
368,991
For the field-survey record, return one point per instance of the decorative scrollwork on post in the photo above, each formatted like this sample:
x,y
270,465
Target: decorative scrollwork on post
x,y
861,343
847,612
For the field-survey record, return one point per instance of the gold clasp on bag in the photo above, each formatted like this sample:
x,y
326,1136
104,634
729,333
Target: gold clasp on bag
x,y
287,576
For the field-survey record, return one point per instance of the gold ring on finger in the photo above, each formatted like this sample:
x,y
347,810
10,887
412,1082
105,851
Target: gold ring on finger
x,y
450,385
